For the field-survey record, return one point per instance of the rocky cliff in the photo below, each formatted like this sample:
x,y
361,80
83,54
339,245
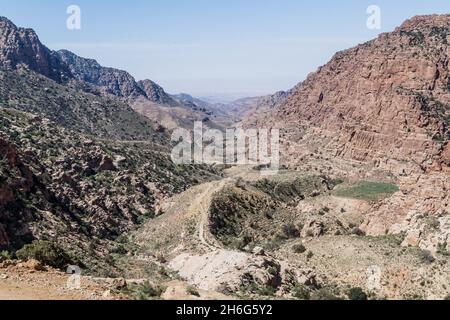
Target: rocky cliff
x,y
385,99
22,46
381,111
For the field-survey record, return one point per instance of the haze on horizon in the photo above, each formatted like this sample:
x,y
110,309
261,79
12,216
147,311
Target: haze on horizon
x,y
228,48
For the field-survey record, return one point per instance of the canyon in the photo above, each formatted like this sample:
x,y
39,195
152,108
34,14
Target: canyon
x,y
363,184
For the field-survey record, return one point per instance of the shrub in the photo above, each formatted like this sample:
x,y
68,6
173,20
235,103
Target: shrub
x,y
358,232
290,231
299,248
191,290
47,253
323,295
357,294
301,292
144,291
426,257
5,255
442,249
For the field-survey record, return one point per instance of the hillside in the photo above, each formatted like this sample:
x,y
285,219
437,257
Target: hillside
x,y
77,190
380,112
387,99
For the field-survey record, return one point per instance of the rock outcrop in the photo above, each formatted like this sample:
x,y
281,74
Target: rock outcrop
x,y
385,99
20,46
380,109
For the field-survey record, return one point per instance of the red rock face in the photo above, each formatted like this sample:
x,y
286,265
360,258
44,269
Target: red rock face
x,y
388,98
383,106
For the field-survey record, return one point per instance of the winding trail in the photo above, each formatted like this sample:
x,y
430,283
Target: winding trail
x,y
202,205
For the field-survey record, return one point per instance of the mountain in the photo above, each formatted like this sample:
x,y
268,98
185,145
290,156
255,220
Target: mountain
x,y
387,98
380,112
188,98
78,166
156,93
103,117
145,96
22,46
255,106
79,191
116,82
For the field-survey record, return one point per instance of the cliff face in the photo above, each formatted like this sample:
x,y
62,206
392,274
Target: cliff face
x,y
22,46
113,81
155,93
380,110
386,99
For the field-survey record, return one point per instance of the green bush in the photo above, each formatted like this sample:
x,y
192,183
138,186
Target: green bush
x,y
301,292
357,294
299,248
48,253
290,231
5,255
426,257
191,290
144,291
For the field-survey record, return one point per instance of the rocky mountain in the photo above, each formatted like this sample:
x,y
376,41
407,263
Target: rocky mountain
x,y
156,93
78,166
381,111
188,98
145,96
22,46
254,107
384,99
67,105
77,190
113,81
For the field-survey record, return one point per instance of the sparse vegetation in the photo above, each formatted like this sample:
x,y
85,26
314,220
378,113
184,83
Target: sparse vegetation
x,y
145,291
369,191
299,248
47,253
290,231
5,255
357,294
426,257
193,291
301,292
324,294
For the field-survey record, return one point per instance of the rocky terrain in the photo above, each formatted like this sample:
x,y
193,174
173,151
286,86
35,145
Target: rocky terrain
x,y
359,210
380,111
145,96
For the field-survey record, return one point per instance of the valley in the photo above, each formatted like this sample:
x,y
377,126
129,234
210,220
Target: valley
x,y
359,208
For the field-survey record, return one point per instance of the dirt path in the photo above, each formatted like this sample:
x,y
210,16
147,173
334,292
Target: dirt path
x,y
22,283
202,205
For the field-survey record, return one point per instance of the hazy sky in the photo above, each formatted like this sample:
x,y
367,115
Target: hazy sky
x,y
208,47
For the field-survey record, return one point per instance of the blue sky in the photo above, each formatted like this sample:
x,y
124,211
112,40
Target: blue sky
x,y
213,47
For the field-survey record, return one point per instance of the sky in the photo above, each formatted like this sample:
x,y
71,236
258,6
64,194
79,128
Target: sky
x,y
226,48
